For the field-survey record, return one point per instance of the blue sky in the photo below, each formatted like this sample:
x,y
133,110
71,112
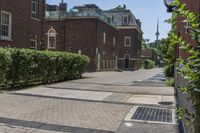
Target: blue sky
x,y
146,10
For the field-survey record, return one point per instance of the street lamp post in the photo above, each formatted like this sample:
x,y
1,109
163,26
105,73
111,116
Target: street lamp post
x,y
168,4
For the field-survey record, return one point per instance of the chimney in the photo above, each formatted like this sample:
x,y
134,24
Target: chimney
x,y
124,6
62,9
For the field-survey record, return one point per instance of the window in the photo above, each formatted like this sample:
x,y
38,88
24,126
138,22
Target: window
x,y
125,19
35,8
104,64
104,38
104,52
79,51
6,25
110,19
52,38
114,41
110,63
33,44
127,41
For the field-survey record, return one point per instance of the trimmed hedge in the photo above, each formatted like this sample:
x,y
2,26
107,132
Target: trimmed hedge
x,y
148,64
22,66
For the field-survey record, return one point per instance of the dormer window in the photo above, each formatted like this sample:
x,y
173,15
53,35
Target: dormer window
x,y
110,19
125,19
35,8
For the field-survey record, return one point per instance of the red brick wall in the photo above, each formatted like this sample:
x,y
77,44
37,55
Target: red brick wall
x,y
111,51
134,50
22,23
193,5
85,34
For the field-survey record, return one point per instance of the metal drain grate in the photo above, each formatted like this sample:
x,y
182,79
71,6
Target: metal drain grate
x,y
153,114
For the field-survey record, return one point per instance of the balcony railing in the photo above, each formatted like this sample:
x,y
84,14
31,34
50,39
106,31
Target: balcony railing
x,y
59,15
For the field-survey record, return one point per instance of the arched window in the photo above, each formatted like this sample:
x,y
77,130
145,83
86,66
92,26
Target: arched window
x,y
51,39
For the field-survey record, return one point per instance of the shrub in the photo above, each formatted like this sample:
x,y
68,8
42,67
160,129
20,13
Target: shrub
x,y
169,71
24,66
170,82
5,61
148,64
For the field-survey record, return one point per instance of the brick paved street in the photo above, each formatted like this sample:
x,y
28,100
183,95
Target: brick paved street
x,y
96,104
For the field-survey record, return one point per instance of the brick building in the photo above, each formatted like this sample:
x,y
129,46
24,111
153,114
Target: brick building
x,y
110,38
149,53
129,57
21,24
110,43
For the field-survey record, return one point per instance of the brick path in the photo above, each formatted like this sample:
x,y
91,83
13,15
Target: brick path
x,y
26,112
96,104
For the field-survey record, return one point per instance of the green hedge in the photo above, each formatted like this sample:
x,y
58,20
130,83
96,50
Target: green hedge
x,y
22,66
148,64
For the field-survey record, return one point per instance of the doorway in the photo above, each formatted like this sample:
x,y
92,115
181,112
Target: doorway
x,y
127,61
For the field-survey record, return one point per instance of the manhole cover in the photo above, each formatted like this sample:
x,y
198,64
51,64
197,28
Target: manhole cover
x,y
153,114
166,103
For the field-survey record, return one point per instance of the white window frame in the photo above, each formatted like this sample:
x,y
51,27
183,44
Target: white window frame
x,y
114,41
48,37
125,16
36,12
79,52
33,40
9,25
104,38
125,41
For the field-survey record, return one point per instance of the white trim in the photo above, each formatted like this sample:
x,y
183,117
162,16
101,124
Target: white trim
x,y
104,38
130,27
52,35
36,12
114,41
9,26
34,40
124,19
127,37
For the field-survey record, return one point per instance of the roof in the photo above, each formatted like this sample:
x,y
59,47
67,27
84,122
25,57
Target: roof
x,y
87,6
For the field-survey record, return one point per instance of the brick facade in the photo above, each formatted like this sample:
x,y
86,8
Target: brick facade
x,y
23,26
90,35
87,38
149,53
134,50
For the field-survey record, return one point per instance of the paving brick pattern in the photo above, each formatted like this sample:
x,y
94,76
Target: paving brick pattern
x,y
57,113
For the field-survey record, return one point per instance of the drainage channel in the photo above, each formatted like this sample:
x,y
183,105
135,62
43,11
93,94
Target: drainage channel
x,y
151,115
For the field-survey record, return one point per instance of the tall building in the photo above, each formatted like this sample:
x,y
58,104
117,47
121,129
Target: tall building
x,y
129,27
157,32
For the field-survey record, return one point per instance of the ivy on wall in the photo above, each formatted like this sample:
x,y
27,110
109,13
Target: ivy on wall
x,y
188,68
